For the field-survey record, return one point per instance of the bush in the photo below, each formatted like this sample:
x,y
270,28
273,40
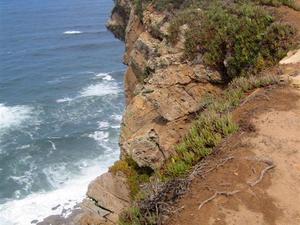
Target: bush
x,y
205,134
135,175
133,216
238,40
139,8
187,16
165,4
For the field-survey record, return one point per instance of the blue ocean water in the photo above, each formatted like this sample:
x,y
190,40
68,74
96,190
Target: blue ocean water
x,y
61,102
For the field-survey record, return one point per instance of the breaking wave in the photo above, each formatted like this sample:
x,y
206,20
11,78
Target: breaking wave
x,y
72,32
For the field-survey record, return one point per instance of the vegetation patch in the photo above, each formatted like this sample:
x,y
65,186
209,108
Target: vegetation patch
x,y
138,6
238,40
212,125
135,175
168,4
189,17
205,134
134,216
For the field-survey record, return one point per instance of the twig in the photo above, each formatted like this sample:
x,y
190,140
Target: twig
x,y
265,160
215,195
249,97
262,174
218,165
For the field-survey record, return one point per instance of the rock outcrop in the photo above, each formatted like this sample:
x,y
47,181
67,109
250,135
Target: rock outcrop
x,y
107,196
162,93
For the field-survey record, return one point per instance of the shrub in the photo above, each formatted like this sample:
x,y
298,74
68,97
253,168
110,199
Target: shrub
x,y
139,8
205,134
187,16
165,4
135,175
133,216
239,39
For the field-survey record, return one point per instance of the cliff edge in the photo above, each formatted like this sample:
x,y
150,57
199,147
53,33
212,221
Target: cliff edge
x,y
164,91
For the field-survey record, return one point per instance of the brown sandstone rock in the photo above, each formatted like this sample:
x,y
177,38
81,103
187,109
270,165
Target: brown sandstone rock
x,y
108,195
130,82
162,91
133,30
119,18
145,150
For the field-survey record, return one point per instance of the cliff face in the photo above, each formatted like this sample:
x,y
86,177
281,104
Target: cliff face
x,y
162,92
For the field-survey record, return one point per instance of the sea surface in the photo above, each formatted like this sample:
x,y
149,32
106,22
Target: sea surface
x,y
61,101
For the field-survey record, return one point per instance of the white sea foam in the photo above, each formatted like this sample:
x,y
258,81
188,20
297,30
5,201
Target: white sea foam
x,y
108,77
57,202
23,147
103,124
99,136
117,118
57,174
72,32
100,89
13,116
52,145
64,100
26,179
101,74
106,87
105,76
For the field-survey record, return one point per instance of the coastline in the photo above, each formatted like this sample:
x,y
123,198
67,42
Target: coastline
x,y
60,105
163,93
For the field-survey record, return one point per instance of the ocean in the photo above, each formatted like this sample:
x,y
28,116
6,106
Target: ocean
x,y
61,101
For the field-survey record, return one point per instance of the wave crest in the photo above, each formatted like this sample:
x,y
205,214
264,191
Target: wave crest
x,y
72,32
100,89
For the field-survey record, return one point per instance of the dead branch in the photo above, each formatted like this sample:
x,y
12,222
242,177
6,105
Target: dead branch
x,y
219,164
264,160
249,97
216,194
261,176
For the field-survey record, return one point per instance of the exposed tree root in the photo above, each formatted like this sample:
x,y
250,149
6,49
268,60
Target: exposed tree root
x,y
198,170
163,195
262,174
251,183
216,194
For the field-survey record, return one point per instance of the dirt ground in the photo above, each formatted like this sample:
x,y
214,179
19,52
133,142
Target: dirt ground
x,y
256,173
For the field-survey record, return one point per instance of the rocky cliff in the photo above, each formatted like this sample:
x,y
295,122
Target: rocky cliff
x,y
162,91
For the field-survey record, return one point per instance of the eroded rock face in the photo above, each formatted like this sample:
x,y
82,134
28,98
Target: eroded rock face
x,y
107,196
119,18
145,150
163,93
